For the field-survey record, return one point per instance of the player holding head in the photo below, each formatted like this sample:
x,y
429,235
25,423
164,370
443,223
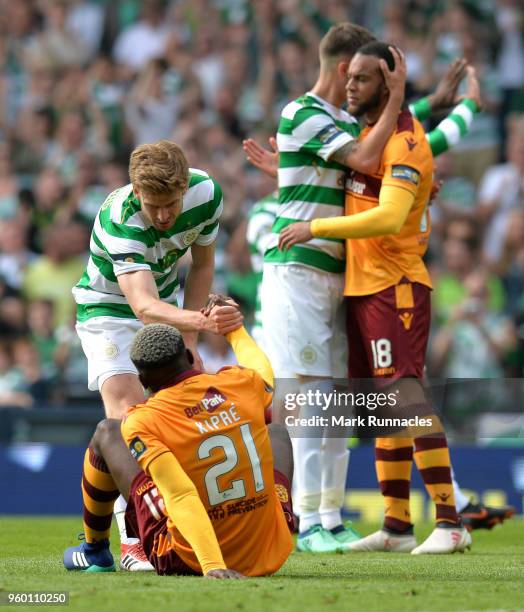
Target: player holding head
x,y
445,135
139,235
317,144
388,301
206,480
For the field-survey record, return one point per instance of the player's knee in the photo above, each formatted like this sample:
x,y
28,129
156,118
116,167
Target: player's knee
x,y
106,430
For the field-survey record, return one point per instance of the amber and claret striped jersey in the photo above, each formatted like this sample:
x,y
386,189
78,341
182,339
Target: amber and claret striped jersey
x,y
214,424
374,264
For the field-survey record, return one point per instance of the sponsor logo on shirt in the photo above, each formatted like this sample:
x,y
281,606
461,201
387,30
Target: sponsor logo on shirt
x,y
363,185
405,173
355,186
212,400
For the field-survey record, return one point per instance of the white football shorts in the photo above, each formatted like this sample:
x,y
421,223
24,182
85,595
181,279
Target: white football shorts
x,y
106,342
303,321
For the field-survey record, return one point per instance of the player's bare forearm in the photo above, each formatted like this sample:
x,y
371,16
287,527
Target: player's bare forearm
x,y
198,283
156,311
141,293
366,157
142,296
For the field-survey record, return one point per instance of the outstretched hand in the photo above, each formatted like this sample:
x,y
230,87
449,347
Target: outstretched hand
x,y
445,94
224,574
261,158
472,87
294,234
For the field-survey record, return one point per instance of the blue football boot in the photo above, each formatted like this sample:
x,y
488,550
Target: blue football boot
x,y
86,557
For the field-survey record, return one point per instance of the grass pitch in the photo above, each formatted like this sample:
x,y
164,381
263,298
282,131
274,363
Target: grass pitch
x,y
489,577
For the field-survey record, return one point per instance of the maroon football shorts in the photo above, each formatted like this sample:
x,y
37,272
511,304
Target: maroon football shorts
x,y
388,332
146,520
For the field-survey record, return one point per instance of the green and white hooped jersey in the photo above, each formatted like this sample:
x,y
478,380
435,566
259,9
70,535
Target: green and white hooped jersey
x,y
258,235
311,184
124,241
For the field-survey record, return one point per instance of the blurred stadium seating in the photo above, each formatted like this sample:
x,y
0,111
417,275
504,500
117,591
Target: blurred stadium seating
x,y
84,81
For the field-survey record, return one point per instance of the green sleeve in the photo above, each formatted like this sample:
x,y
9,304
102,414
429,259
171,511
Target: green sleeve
x,y
421,109
451,129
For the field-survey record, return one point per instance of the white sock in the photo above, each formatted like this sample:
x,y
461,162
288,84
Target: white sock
x,y
308,519
306,456
120,511
461,501
334,460
330,519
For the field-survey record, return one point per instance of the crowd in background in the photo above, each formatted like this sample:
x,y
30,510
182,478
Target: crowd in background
x,y
84,81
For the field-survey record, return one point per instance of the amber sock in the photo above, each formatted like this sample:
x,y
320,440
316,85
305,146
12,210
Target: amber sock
x,y
393,461
432,459
99,493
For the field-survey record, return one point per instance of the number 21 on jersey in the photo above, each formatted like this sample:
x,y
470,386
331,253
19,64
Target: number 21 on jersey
x,y
237,489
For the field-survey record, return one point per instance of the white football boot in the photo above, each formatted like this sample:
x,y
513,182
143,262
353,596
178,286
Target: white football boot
x,y
133,558
444,540
382,541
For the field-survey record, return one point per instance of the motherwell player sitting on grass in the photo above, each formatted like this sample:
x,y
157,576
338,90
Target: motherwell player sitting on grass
x,y
388,307
207,482
140,234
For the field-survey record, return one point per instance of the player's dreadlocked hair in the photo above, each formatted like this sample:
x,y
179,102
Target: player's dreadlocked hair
x,y
156,345
159,168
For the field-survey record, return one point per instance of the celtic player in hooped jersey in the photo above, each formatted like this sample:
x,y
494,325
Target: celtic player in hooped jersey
x,y
123,241
301,289
140,233
303,329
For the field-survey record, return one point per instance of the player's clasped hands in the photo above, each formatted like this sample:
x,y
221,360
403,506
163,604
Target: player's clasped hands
x,y
223,314
224,574
293,234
